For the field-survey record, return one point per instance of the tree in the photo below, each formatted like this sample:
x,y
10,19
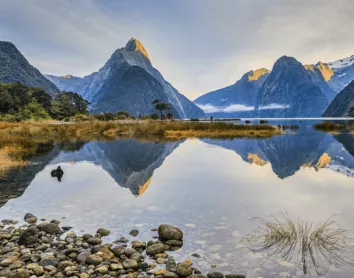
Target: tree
x,y
68,104
42,98
161,107
351,112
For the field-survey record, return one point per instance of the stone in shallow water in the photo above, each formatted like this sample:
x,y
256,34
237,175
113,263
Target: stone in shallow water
x,y
30,218
134,232
169,232
103,231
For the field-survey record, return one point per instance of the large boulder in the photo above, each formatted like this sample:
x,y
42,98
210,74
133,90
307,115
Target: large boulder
x,y
169,232
29,236
49,228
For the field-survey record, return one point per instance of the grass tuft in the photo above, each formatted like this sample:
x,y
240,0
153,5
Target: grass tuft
x,y
319,247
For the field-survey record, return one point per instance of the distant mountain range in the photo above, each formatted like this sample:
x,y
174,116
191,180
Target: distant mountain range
x,y
128,82
15,68
289,90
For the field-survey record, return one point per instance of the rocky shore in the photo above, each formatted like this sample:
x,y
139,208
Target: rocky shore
x,y
48,250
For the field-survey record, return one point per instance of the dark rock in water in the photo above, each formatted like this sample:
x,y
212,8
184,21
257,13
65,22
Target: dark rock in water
x,y
134,232
49,228
29,236
215,275
184,270
30,218
235,276
57,173
103,231
66,228
196,255
169,232
152,250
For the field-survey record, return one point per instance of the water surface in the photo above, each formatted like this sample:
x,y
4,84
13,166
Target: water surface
x,y
209,188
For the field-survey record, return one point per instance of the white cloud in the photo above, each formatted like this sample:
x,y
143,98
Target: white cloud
x,y
190,42
274,106
209,108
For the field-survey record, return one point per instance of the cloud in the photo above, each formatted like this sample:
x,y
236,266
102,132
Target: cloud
x,y
273,106
198,46
209,108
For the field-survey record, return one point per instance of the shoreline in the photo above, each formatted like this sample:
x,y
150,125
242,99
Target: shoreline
x,y
21,141
48,250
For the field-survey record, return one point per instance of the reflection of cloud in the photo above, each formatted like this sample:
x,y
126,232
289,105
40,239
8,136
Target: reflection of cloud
x,y
209,108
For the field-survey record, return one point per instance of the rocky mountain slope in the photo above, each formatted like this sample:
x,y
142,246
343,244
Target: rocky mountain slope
x,y
15,68
290,91
234,99
339,107
129,82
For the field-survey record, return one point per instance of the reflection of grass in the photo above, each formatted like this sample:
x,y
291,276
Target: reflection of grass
x,y
329,127
19,141
318,247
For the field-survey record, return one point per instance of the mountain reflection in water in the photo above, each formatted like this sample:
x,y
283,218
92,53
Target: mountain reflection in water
x,y
208,188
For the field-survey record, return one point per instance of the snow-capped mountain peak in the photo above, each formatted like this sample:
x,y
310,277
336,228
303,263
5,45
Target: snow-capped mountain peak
x,y
342,63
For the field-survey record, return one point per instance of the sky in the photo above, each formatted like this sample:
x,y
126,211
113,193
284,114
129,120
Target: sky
x,y
198,45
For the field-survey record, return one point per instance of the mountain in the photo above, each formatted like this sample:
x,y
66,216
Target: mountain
x,y
129,82
320,74
235,99
15,68
343,73
342,102
289,91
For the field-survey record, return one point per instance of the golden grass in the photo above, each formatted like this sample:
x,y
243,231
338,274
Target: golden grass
x,y
19,141
9,158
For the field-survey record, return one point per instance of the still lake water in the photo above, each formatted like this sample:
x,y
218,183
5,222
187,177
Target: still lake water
x,y
209,188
